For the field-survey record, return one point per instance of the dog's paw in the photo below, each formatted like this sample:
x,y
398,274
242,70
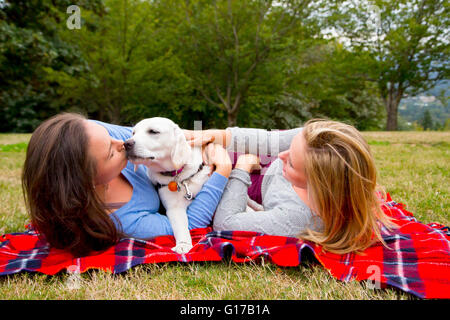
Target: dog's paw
x,y
182,247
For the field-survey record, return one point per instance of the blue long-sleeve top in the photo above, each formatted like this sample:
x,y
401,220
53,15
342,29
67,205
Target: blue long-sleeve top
x,y
139,218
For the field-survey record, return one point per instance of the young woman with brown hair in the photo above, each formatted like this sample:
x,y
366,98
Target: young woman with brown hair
x,y
82,194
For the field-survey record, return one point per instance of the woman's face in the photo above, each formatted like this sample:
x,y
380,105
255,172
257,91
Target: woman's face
x,y
293,161
108,153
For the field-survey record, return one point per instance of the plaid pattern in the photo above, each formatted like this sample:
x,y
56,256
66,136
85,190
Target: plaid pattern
x,y
418,261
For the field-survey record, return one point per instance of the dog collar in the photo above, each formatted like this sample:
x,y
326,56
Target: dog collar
x,y
188,194
172,173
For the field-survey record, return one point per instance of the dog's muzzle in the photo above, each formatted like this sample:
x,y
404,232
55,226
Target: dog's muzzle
x,y
129,144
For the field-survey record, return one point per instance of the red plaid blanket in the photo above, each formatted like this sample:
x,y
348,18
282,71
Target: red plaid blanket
x,y
418,261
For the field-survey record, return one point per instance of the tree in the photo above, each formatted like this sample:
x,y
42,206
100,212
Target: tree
x,y
133,72
427,121
330,80
447,125
30,45
112,47
236,50
407,40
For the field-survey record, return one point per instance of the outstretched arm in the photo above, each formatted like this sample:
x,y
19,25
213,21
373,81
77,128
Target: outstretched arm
x,y
286,221
245,140
146,225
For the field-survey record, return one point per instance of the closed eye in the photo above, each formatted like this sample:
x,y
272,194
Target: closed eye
x,y
151,131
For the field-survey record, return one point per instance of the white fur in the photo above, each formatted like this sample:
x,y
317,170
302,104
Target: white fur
x,y
170,151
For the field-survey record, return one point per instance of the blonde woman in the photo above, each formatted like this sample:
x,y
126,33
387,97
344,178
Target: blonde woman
x,y
322,187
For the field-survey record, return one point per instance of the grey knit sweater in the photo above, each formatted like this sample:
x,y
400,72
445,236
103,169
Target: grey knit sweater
x,y
284,213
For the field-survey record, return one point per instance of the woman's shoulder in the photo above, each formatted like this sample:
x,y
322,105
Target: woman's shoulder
x,y
115,131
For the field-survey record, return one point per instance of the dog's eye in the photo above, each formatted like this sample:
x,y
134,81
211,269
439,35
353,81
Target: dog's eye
x,y
151,131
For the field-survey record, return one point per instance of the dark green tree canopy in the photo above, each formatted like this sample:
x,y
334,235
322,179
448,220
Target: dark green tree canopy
x,y
253,63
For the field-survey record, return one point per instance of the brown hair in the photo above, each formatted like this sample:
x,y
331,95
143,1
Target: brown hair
x,y
342,186
57,182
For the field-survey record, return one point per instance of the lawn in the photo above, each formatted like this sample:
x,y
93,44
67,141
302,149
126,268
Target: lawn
x,y
413,167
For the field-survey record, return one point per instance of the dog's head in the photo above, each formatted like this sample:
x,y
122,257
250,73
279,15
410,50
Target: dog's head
x,y
158,143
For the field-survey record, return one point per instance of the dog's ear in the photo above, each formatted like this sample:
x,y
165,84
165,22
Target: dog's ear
x,y
181,153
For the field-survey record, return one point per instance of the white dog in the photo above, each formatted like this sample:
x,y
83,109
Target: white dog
x,y
160,144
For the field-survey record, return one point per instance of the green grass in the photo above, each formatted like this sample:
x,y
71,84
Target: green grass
x,y
413,167
17,147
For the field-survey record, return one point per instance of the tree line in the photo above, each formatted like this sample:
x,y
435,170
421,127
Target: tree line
x,y
253,63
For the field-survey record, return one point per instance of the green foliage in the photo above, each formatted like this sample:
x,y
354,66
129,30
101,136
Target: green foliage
x,y
427,122
249,63
236,53
30,44
406,43
333,82
133,72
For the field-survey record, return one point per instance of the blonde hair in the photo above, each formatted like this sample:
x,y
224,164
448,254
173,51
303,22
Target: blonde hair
x,y
342,187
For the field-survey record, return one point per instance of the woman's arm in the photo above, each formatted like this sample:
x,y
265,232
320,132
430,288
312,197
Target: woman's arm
x,y
116,131
260,141
146,225
245,140
202,137
200,212
288,219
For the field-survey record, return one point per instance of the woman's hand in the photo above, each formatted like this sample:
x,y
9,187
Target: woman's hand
x,y
216,155
199,138
248,162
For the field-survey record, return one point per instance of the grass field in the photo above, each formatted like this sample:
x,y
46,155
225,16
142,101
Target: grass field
x,y
413,167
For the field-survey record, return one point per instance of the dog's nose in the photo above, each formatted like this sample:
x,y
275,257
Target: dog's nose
x,y
129,144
